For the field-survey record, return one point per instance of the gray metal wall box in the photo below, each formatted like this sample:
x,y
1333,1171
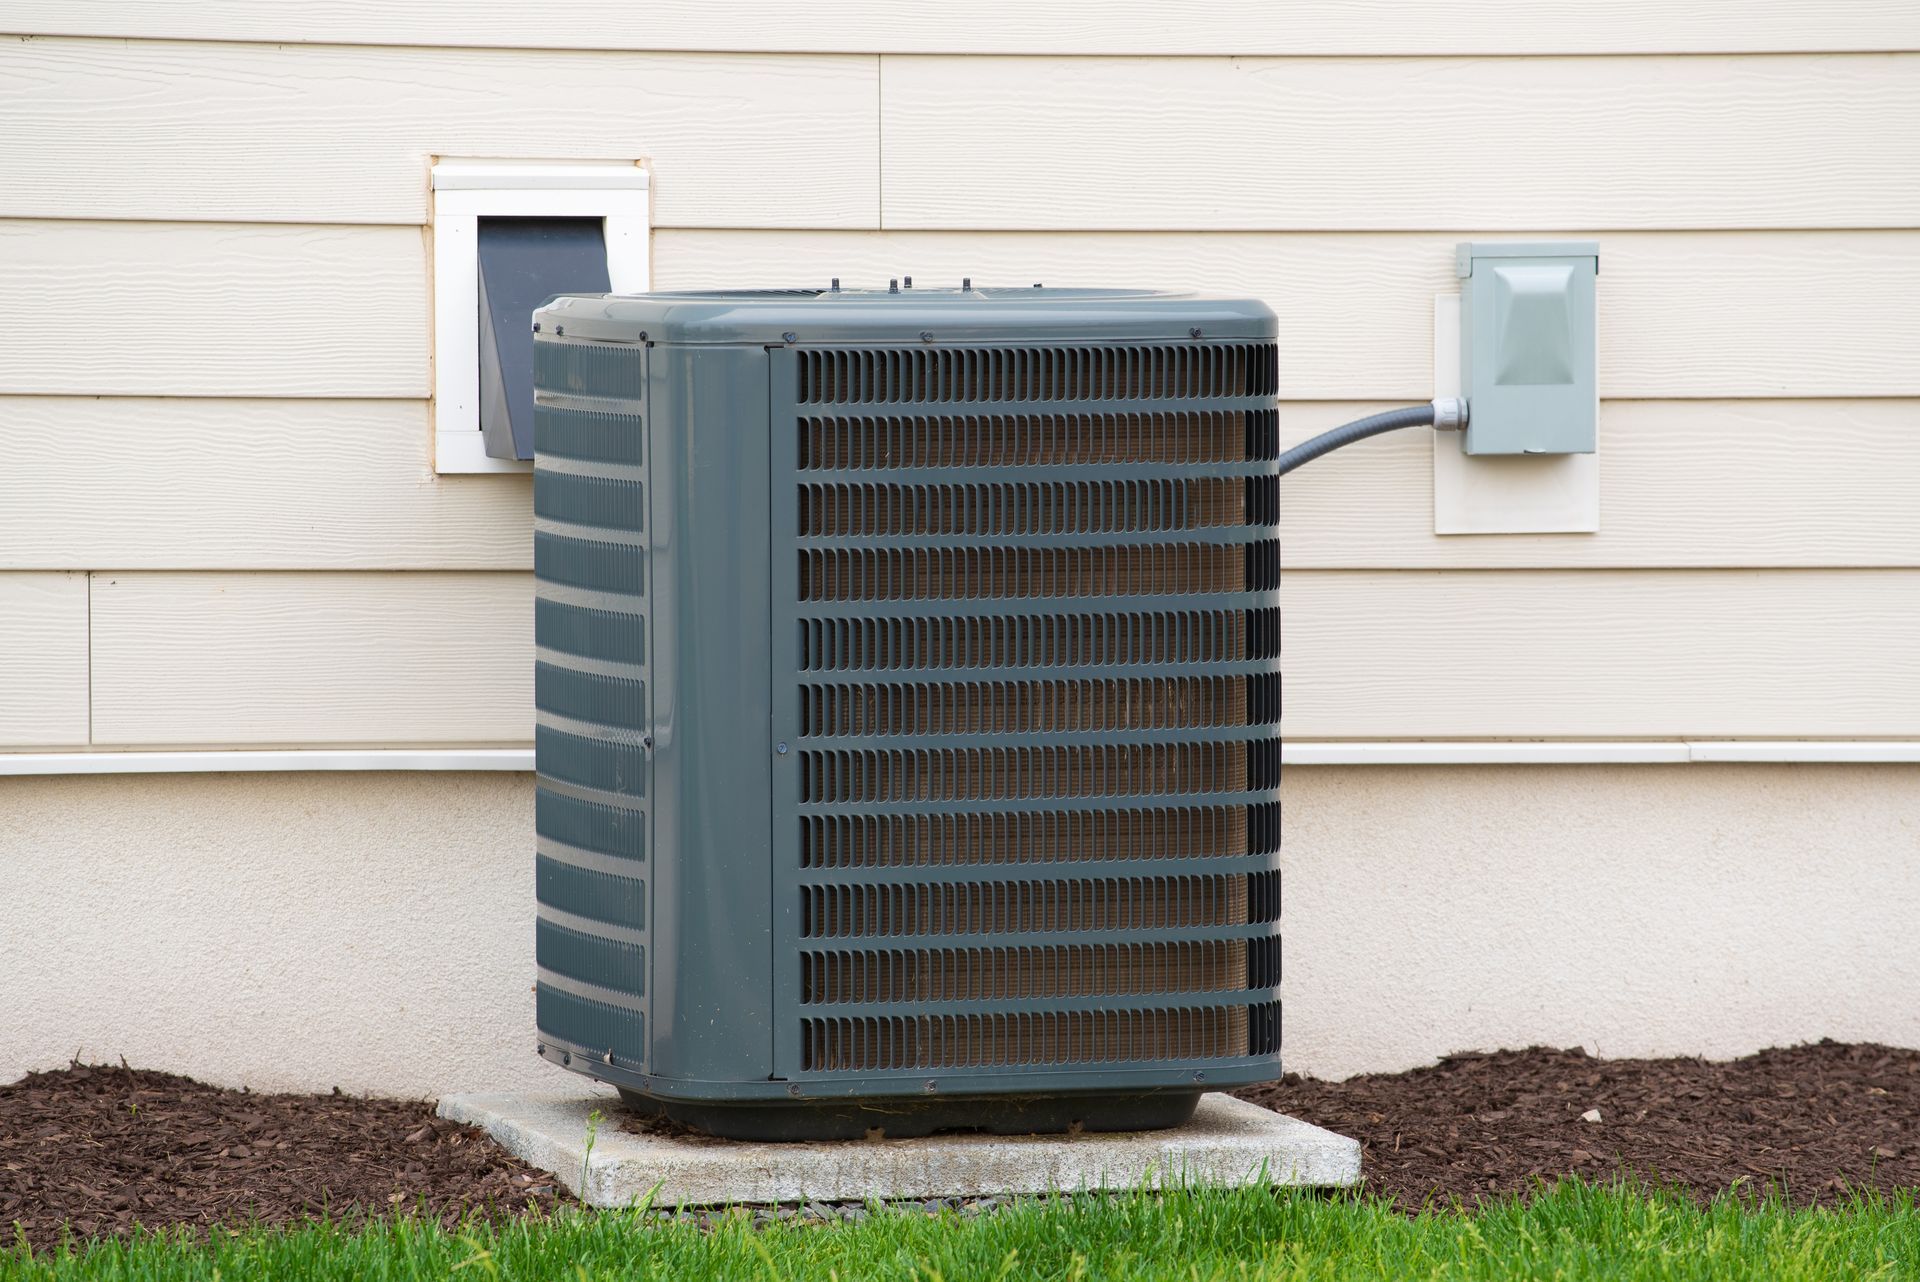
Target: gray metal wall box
x,y
1527,362
908,705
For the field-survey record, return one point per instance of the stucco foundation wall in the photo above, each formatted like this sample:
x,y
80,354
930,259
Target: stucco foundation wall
x,y
1634,910
283,931
374,931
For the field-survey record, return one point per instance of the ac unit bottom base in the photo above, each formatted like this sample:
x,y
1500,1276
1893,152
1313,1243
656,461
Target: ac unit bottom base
x,y
896,1118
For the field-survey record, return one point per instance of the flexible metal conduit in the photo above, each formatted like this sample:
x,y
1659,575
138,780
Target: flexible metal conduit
x,y
1448,413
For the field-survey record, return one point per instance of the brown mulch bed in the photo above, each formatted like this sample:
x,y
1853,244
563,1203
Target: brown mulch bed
x,y
98,1148
101,1148
1813,1121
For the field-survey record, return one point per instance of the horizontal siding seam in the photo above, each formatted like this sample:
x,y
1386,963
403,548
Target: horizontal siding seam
x,y
889,51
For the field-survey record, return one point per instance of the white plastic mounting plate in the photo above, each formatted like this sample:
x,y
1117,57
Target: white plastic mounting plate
x,y
464,192
1502,494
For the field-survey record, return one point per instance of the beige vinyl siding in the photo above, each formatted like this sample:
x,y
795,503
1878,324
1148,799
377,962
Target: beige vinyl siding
x,y
279,659
1737,484
289,659
285,482
189,309
1608,143
43,660
1143,27
216,291
1768,654
310,134
213,309
138,483
313,133
1682,314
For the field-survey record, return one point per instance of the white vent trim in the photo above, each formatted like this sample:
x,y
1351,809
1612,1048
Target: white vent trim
x,y
464,192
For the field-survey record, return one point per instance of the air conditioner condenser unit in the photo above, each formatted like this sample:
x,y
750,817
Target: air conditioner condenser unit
x,y
908,705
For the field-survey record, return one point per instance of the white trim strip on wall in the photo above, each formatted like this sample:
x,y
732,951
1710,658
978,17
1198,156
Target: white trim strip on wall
x,y
112,763
1668,751
1396,753
1414,753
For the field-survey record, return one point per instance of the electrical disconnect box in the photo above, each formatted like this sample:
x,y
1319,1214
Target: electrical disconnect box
x,y
1527,346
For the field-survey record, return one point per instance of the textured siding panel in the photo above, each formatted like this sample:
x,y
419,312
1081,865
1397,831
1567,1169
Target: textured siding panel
x,y
171,129
231,484
1570,654
1608,143
43,660
210,310
1574,654
1683,483
287,659
1682,314
247,485
1694,314
1724,283
1144,27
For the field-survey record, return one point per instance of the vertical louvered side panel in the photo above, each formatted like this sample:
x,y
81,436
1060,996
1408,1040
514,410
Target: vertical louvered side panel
x,y
1030,690
593,699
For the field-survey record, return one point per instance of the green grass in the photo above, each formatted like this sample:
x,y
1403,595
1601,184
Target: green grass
x,y
1572,1231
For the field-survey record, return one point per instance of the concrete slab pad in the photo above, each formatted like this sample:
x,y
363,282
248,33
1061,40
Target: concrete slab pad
x,y
1229,1142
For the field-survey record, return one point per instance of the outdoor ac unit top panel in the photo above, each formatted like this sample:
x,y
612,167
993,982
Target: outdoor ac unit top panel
x,y
902,316
909,706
